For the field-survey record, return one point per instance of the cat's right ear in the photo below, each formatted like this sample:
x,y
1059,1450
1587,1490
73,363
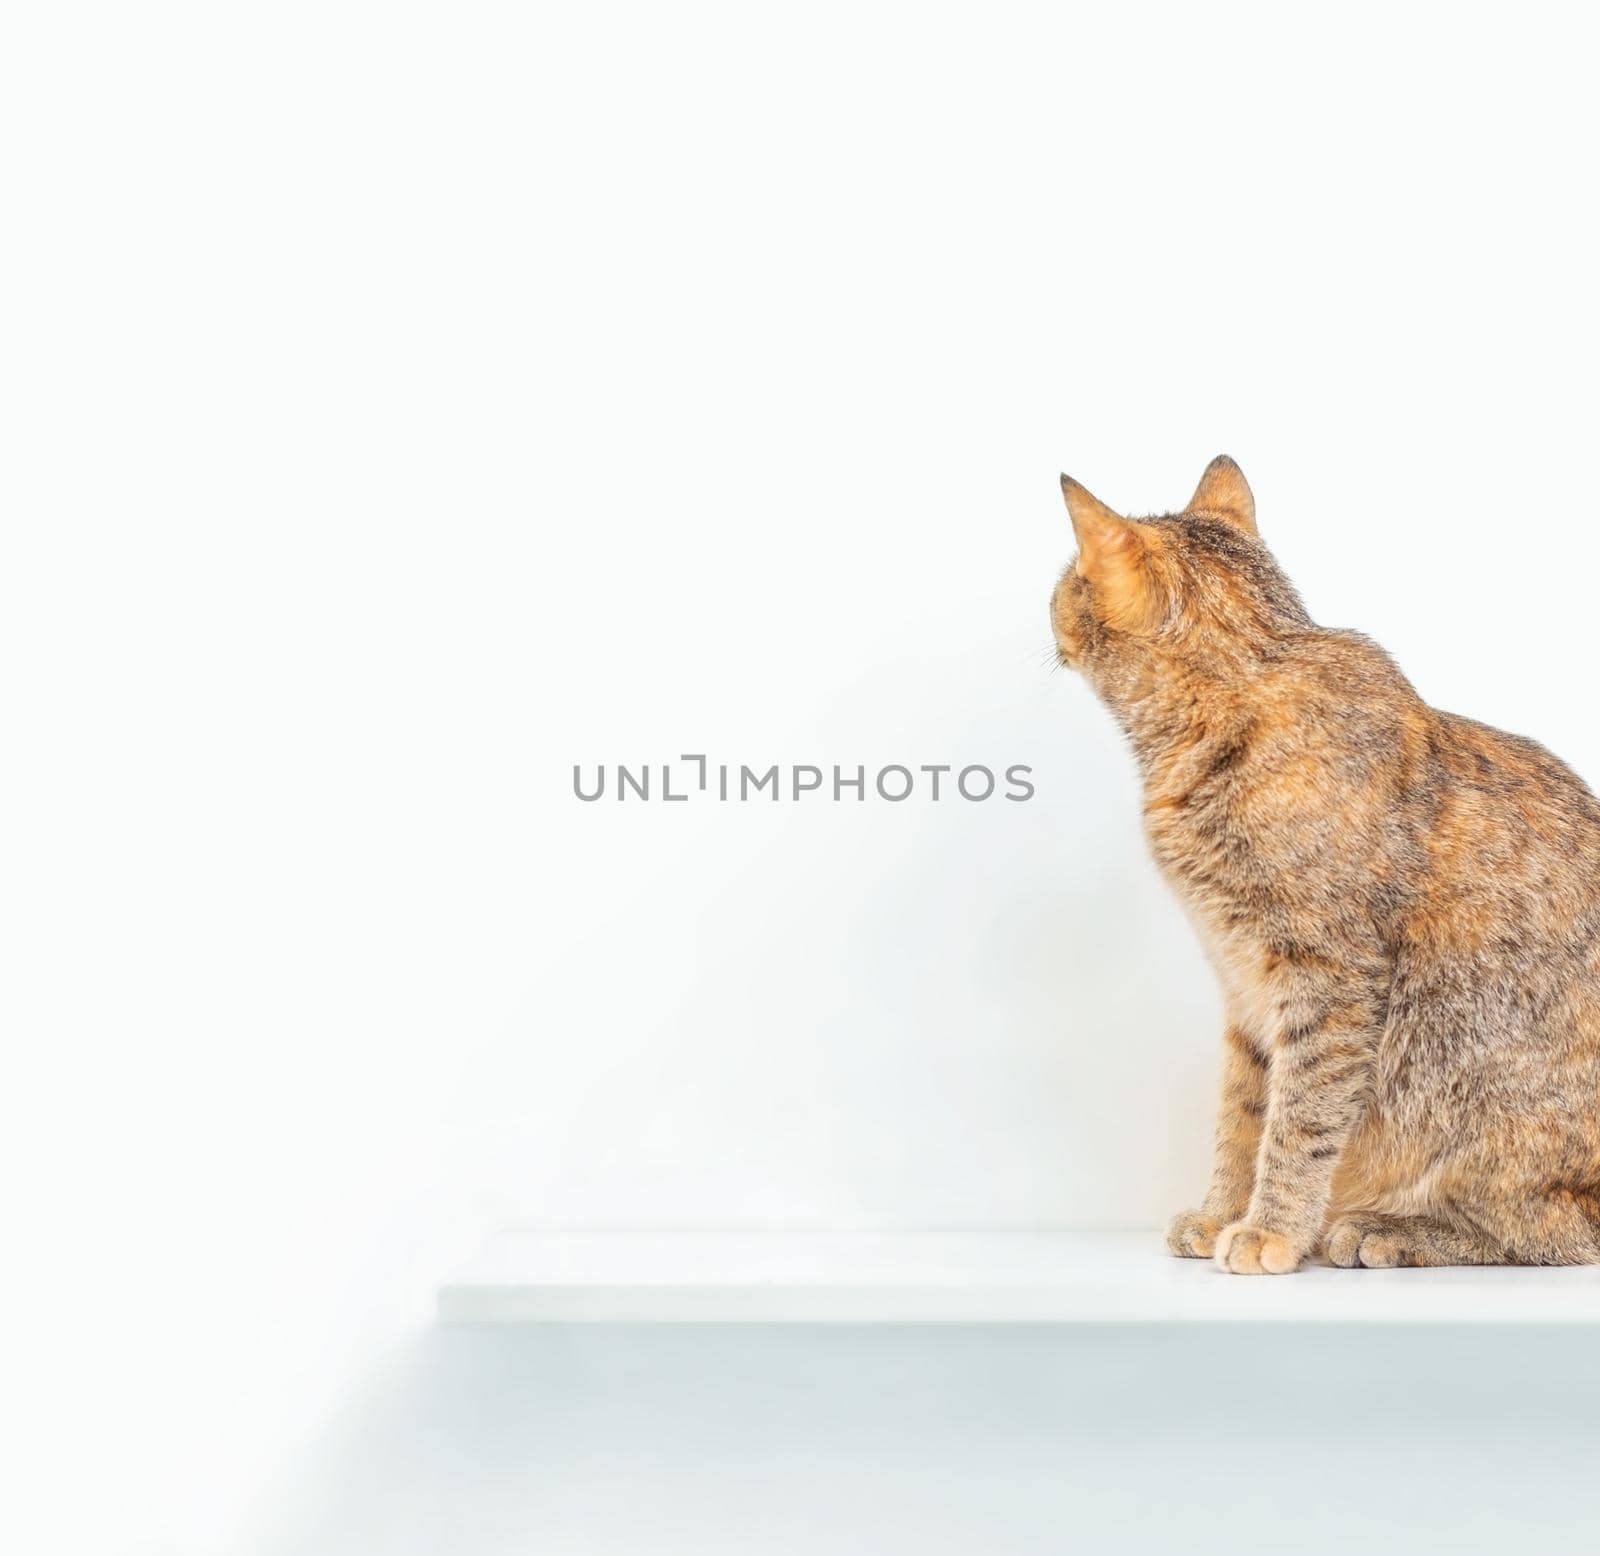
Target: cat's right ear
x,y
1112,555
1224,491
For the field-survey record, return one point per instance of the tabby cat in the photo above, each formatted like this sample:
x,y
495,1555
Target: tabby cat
x,y
1402,906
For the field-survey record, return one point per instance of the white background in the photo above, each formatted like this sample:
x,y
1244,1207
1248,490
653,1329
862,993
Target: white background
x,y
405,403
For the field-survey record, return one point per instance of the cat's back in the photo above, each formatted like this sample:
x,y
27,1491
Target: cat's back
x,y
1322,783
1338,707
1502,817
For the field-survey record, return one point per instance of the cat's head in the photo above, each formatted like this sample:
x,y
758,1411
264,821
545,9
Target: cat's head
x,y
1196,586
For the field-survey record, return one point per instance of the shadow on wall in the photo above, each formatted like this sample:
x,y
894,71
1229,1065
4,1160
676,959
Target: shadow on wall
x,y
616,1440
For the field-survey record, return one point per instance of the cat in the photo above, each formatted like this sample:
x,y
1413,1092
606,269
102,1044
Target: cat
x,y
1402,907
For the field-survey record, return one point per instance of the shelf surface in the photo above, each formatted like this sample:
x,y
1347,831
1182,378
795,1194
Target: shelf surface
x,y
965,1277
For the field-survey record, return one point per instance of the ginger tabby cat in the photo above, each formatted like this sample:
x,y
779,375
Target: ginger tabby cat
x,y
1403,908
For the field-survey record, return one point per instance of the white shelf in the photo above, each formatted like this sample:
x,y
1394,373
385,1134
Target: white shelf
x,y
1068,1277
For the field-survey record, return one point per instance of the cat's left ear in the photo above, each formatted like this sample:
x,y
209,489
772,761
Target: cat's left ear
x,y
1224,492
1114,556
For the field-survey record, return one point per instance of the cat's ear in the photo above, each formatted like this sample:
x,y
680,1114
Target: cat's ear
x,y
1114,556
1224,492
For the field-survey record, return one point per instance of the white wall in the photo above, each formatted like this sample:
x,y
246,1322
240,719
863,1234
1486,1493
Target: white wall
x,y
403,406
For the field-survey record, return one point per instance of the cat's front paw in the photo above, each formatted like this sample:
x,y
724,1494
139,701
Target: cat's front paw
x,y
1243,1249
1192,1234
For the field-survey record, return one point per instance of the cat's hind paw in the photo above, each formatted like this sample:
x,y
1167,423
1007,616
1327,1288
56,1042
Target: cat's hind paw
x,y
1192,1234
1373,1243
1243,1249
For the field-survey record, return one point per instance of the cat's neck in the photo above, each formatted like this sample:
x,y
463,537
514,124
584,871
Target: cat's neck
x,y
1173,714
